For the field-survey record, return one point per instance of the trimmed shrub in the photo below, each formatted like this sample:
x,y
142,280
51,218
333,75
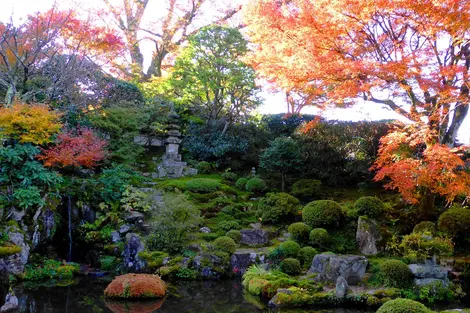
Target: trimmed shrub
x,y
423,227
322,213
419,247
396,274
228,225
136,286
291,266
306,256
235,235
225,244
403,306
299,231
278,207
203,185
241,183
289,249
369,206
229,176
306,188
203,167
455,221
319,237
255,185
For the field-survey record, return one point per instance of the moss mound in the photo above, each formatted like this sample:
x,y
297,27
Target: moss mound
x,y
322,213
403,306
369,206
136,286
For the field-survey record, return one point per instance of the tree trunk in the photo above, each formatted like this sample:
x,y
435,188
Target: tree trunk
x,y
10,96
426,210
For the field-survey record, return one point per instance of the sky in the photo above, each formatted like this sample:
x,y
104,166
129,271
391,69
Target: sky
x,y
273,103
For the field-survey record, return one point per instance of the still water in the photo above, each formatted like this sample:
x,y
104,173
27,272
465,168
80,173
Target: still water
x,y
86,296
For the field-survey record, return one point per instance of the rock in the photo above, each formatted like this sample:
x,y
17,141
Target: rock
x,y
342,287
274,302
11,303
422,282
429,270
115,236
368,236
254,237
205,230
48,218
329,267
430,273
241,260
189,171
15,264
88,214
134,216
124,229
132,248
133,286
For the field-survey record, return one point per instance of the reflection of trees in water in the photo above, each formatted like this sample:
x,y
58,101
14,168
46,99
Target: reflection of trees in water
x,y
134,306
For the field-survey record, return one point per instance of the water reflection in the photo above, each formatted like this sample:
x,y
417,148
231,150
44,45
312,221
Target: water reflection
x,y
86,296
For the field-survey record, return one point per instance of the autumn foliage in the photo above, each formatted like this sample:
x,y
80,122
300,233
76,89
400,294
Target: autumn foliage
x,y
29,123
413,163
81,148
410,56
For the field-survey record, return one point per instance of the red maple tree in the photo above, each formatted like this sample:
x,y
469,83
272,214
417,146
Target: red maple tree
x,y
82,148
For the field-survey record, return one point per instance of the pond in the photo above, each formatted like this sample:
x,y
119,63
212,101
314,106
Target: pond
x,y
86,296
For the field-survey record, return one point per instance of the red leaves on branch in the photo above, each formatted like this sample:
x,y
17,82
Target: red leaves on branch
x,y
412,162
75,149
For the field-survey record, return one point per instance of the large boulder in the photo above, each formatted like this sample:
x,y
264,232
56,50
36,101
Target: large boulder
x,y
133,246
329,267
429,273
242,259
136,286
254,237
368,235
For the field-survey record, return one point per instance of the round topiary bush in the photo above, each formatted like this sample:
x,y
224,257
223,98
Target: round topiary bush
x,y
235,235
306,188
403,306
291,266
255,185
278,207
134,286
306,256
225,244
322,213
319,237
289,249
299,231
396,274
423,227
203,167
202,185
455,221
241,183
369,206
229,176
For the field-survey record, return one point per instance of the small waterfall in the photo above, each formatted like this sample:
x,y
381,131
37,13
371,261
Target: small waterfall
x,y
36,236
69,209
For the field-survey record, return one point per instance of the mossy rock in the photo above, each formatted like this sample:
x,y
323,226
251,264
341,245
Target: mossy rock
x,y
9,250
136,286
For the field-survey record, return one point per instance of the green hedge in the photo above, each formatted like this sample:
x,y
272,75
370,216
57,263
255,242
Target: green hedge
x,y
322,213
203,185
